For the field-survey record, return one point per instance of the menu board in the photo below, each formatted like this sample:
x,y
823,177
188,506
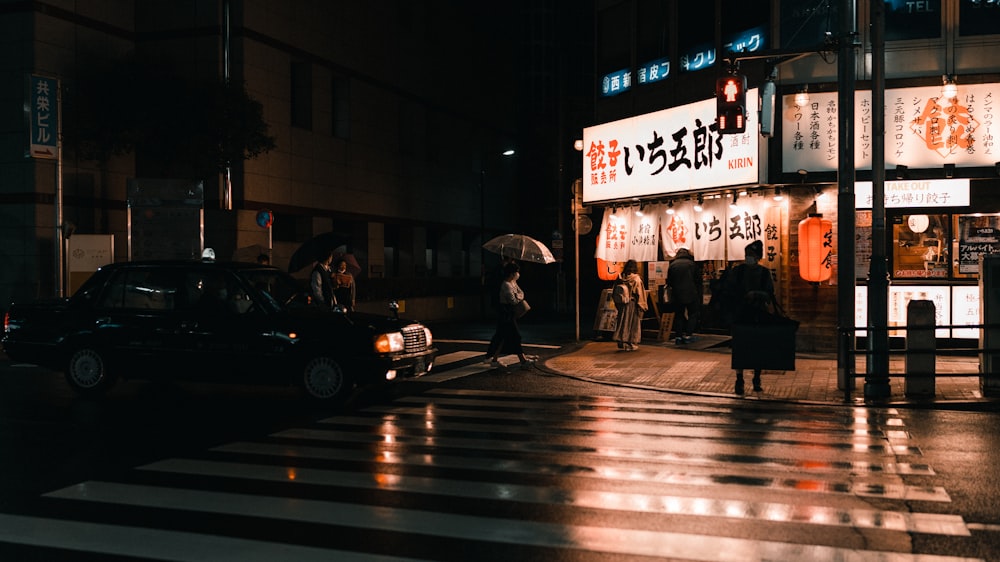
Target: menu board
x,y
977,236
862,243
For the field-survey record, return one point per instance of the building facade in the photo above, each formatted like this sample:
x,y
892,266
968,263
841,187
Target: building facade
x,y
389,121
657,64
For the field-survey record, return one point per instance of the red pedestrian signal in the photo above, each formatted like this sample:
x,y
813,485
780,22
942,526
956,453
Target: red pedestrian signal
x,y
730,102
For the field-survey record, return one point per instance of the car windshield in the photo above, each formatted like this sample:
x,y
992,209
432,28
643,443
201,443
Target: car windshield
x,y
279,289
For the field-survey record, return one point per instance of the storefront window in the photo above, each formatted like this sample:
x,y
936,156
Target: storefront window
x,y
921,248
905,19
978,235
978,17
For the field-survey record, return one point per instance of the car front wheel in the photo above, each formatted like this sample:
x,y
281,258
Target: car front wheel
x,y
87,372
323,379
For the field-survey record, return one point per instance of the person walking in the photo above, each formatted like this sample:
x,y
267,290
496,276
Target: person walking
x,y
343,286
751,293
684,280
628,328
320,285
508,335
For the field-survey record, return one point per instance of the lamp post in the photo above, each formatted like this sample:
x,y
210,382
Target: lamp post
x,y
482,227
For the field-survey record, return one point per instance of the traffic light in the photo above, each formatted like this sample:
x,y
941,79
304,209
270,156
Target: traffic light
x,y
731,102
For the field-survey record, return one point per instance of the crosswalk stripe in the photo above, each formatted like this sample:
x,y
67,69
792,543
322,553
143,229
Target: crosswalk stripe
x,y
582,498
449,358
120,540
814,414
877,489
650,423
475,528
641,436
486,342
481,462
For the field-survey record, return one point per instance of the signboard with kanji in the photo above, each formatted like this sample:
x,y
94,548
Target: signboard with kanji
x,y
43,116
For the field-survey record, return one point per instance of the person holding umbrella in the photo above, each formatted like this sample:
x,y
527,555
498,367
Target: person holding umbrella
x,y
320,284
508,335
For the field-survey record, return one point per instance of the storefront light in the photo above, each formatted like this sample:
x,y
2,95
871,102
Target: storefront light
x,y
949,89
802,97
815,248
918,223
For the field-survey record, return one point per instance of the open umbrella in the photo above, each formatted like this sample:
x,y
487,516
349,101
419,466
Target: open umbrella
x,y
353,267
520,247
307,253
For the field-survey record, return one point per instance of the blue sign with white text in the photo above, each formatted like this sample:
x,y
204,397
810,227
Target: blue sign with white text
x,y
746,41
654,71
616,82
43,111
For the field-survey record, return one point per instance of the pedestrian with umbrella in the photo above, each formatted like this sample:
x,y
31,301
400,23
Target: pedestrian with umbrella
x,y
320,285
512,306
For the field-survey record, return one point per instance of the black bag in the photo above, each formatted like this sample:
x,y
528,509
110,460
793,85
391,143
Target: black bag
x,y
768,343
621,294
521,308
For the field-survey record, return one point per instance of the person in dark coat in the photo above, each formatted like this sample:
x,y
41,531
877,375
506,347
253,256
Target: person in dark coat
x,y
752,293
684,280
320,286
508,335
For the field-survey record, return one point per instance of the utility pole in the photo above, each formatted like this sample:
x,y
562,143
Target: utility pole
x,y
877,374
846,275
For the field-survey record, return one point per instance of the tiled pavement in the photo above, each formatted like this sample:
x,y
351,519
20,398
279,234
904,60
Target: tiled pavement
x,y
703,367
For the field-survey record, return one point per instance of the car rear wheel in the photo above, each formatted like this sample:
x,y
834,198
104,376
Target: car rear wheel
x,y
324,380
87,372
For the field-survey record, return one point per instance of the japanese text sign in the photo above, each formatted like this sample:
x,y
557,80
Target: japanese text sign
x,y
43,116
923,129
915,193
669,151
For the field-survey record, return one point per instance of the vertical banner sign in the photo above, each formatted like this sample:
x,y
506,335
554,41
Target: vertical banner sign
x,y
43,115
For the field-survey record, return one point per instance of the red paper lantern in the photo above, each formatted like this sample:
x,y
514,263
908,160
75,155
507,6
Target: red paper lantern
x,y
609,270
815,248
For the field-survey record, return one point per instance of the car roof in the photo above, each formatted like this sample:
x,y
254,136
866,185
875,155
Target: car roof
x,y
236,265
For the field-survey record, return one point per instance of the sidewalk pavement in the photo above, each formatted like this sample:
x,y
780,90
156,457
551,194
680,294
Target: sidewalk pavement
x,y
703,367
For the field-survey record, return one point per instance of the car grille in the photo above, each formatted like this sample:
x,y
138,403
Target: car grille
x,y
414,338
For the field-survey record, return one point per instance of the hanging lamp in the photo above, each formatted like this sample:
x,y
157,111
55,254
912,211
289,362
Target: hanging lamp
x,y
815,248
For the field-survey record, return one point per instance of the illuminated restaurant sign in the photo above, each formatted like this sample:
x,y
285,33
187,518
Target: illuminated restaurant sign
x,y
668,151
922,129
915,193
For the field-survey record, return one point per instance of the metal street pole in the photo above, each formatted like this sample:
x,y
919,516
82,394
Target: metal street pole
x,y
877,374
482,237
577,200
846,274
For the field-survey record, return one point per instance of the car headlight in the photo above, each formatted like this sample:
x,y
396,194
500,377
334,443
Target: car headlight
x,y
427,334
389,343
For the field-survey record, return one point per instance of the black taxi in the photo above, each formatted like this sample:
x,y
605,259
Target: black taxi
x,y
211,321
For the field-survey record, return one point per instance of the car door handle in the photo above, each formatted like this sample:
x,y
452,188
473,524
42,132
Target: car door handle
x,y
189,324
102,320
